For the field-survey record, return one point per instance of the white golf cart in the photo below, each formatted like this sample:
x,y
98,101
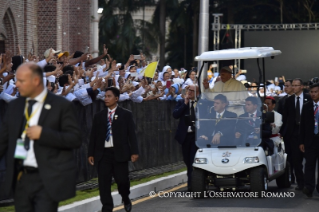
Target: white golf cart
x,y
238,156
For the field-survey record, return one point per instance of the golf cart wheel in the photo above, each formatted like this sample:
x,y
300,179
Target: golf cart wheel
x,y
258,180
199,182
283,181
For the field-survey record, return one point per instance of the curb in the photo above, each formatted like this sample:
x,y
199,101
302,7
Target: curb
x,y
94,203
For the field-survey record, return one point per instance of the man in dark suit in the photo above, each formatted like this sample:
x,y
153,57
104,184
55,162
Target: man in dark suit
x,y
38,134
281,105
185,135
249,128
289,91
113,144
309,138
291,125
219,131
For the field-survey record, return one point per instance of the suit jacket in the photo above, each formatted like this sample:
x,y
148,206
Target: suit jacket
x,y
289,115
53,151
281,105
123,132
244,127
307,124
226,127
179,113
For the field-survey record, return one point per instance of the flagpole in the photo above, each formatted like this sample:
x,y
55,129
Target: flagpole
x,y
154,72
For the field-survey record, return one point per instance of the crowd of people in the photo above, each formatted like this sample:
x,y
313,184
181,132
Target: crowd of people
x,y
79,77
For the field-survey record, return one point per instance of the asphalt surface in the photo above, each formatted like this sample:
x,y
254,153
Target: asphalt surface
x,y
270,204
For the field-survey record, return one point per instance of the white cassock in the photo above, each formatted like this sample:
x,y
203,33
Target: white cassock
x,y
230,85
275,130
234,91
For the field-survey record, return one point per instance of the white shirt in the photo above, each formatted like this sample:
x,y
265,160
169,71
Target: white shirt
x,y
221,114
109,143
37,108
277,88
278,122
187,82
42,63
254,115
300,101
241,78
136,95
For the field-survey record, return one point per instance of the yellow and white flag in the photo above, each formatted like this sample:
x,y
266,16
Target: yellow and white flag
x,y
151,69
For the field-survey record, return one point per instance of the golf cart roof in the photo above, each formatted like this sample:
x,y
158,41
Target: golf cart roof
x,y
241,53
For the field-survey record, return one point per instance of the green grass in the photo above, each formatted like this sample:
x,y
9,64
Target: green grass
x,y
82,195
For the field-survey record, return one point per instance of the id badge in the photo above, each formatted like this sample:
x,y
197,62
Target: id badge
x,y
20,152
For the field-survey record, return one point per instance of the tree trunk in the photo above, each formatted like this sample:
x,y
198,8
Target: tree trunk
x,y
162,33
281,11
185,48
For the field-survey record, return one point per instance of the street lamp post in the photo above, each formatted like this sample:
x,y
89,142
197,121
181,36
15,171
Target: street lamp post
x,y
203,38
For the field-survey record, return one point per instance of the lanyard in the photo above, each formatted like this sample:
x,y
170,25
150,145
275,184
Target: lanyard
x,y
218,120
28,117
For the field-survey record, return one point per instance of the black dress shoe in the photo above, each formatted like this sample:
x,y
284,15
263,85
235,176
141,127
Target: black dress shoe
x,y
307,192
299,188
128,206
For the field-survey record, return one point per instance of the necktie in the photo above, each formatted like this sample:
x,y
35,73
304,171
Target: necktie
x,y
251,121
192,115
27,139
298,111
109,124
316,114
218,118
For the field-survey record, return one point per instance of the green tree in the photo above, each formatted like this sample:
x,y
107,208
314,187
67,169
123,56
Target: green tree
x,y
118,29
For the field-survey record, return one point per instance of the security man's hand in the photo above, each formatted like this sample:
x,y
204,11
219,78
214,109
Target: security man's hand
x,y
34,132
134,158
216,138
91,160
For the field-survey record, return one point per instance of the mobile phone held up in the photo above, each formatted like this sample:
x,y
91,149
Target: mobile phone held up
x,y
134,74
168,84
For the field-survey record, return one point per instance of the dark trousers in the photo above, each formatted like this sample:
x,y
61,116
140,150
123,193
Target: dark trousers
x,y
311,155
189,149
297,159
288,150
106,168
30,195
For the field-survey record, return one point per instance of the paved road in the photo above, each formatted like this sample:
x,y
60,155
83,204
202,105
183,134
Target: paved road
x,y
186,204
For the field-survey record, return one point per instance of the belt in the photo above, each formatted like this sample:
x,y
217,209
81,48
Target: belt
x,y
29,170
274,135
